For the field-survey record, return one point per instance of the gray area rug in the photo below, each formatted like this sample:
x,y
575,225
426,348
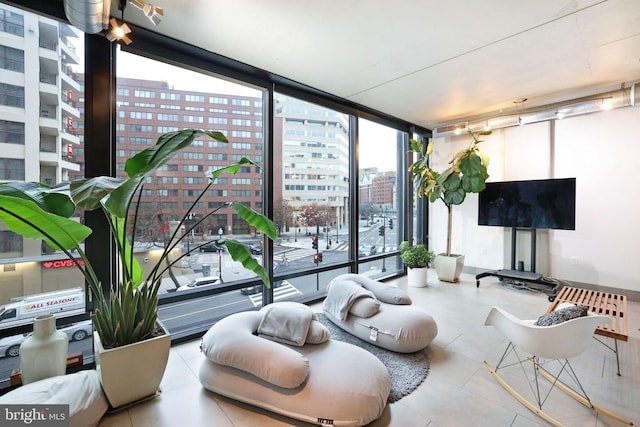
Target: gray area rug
x,y
407,370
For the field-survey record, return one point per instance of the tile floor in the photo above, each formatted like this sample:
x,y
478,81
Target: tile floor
x,y
458,391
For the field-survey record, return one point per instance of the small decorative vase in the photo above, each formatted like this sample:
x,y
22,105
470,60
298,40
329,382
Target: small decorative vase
x,y
44,354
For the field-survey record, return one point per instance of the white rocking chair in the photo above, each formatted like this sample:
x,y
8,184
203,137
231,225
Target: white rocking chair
x,y
558,342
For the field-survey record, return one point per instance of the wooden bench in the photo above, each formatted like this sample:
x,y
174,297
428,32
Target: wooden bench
x,y
604,303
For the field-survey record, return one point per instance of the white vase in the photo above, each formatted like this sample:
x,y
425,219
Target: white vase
x,y
417,277
44,354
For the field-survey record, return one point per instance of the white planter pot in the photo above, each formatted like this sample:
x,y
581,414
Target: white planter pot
x,y
132,372
449,268
417,277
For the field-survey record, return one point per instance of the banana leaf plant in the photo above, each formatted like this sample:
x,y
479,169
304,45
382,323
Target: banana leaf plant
x,y
467,173
129,313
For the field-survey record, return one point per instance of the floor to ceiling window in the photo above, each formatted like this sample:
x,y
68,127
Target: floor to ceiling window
x,y
306,180
380,207
40,134
154,98
310,192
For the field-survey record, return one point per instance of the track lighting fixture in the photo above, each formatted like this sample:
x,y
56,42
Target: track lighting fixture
x,y
627,96
118,31
154,13
486,128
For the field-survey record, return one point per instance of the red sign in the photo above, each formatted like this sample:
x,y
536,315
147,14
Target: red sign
x,y
61,263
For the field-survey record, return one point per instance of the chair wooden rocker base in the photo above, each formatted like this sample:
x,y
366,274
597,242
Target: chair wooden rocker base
x,y
549,344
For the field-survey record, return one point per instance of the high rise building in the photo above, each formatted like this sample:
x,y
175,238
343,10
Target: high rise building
x,y
39,94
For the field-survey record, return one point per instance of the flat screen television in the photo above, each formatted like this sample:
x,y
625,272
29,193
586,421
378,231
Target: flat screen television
x,y
537,204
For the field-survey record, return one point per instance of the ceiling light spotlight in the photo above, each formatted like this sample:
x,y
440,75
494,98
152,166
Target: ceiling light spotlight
x,y
606,105
487,128
118,31
458,131
559,115
154,13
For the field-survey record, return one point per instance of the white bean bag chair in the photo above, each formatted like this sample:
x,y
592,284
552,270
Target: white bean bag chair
x,y
378,313
322,381
81,391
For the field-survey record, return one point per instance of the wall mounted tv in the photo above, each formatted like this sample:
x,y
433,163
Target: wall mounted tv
x,y
536,204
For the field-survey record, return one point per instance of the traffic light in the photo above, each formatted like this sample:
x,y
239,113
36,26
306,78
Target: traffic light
x,y
314,242
390,223
317,258
381,230
320,257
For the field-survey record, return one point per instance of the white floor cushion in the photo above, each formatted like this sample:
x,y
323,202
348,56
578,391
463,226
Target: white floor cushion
x,y
346,385
81,391
397,325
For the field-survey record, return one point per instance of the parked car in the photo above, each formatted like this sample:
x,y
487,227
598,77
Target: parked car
x,y
201,281
256,249
252,290
211,247
367,250
10,346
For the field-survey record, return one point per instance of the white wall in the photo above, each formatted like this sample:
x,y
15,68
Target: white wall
x,y
601,151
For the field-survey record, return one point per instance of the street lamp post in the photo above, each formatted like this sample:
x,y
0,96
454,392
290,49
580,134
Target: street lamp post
x,y
220,232
326,227
295,227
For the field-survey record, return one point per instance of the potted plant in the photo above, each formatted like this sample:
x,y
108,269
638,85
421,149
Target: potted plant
x,y
127,315
417,259
467,173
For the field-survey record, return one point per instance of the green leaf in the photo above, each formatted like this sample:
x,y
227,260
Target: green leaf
x,y
471,165
232,169
148,161
89,193
452,182
134,270
29,220
256,220
240,253
454,197
165,148
47,198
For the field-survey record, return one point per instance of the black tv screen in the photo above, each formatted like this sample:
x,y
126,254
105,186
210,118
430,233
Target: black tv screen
x,y
540,204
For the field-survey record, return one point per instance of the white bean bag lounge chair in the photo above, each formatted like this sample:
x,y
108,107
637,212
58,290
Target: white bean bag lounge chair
x,y
328,383
378,313
81,391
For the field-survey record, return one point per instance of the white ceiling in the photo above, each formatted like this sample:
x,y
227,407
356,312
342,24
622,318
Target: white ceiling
x,y
429,62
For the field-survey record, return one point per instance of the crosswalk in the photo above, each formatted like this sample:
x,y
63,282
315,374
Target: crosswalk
x,y
285,291
295,254
345,247
302,252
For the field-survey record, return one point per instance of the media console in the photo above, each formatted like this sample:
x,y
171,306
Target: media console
x,y
521,278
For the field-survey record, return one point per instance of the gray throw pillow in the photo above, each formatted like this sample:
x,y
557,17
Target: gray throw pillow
x,y
318,333
365,307
562,315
